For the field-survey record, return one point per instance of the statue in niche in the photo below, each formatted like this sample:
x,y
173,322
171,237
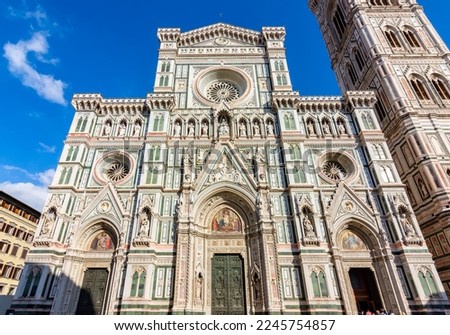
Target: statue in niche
x,y
191,129
177,129
422,187
260,160
311,129
257,286
242,130
49,221
223,127
308,226
137,129
107,128
122,128
256,129
270,128
407,226
144,223
326,127
187,164
341,127
204,129
199,286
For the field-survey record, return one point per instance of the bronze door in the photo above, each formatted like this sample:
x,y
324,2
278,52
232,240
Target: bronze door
x,y
228,291
92,292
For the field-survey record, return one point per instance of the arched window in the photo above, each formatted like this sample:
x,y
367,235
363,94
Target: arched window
x,y
289,122
281,79
63,176
352,74
428,283
165,67
319,284
339,21
83,126
411,38
279,65
31,285
441,88
152,175
392,39
419,89
79,123
68,175
69,154
138,283
358,58
164,81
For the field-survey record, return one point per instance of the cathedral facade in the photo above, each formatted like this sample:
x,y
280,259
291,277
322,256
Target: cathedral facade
x,y
226,192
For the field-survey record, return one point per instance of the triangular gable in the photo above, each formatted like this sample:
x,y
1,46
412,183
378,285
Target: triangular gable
x,y
221,34
106,203
346,202
225,164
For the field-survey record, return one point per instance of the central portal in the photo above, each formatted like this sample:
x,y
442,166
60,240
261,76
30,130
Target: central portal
x,y
227,289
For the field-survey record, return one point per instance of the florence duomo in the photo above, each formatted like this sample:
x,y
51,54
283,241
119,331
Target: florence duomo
x,y
225,191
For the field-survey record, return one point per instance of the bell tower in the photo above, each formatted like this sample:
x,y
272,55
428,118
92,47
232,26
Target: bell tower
x,y
391,48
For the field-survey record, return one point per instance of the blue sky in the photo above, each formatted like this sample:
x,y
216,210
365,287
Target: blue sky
x,y
54,49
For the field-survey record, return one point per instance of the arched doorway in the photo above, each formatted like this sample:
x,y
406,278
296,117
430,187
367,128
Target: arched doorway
x,y
356,248
365,289
97,265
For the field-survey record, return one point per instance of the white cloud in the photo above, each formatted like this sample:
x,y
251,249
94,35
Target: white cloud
x,y
46,148
34,192
38,14
29,193
45,85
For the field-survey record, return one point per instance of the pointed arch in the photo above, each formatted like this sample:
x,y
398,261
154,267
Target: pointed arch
x,y
441,86
419,87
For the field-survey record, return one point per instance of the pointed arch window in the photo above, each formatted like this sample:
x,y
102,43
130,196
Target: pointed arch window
x,y
281,79
164,81
428,284
138,284
359,59
392,39
339,21
441,88
31,285
79,123
352,74
83,126
411,38
165,67
319,284
289,122
419,89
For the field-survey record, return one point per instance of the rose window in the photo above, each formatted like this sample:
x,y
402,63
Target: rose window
x,y
117,171
334,170
222,91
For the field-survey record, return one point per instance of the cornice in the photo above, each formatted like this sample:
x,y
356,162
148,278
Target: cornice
x,y
165,101
360,99
95,102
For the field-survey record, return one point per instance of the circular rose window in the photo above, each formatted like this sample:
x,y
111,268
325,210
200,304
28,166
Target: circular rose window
x,y
222,84
114,166
117,171
222,91
337,166
334,170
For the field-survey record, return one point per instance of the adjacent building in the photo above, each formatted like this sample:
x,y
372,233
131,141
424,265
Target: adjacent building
x,y
224,191
18,223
